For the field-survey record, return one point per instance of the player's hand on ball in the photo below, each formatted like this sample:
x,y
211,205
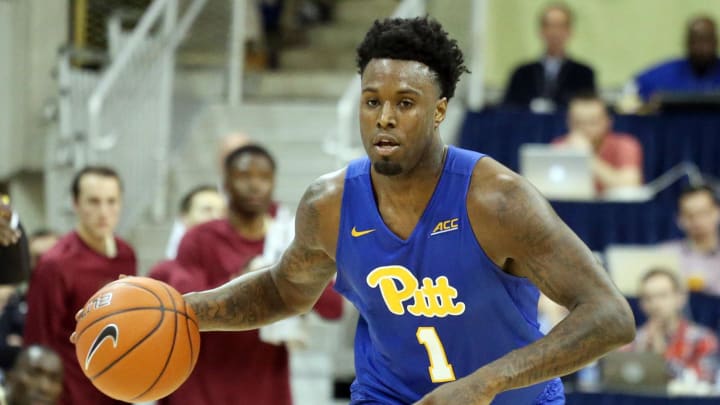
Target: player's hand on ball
x,y
457,392
73,337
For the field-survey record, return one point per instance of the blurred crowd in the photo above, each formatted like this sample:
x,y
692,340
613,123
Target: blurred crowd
x,y
552,81
223,230
665,296
557,83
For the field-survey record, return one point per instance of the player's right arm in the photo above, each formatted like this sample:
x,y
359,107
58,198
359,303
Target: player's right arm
x,y
291,286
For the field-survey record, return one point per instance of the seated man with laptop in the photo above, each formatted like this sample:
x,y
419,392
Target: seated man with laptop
x,y
590,161
616,159
690,351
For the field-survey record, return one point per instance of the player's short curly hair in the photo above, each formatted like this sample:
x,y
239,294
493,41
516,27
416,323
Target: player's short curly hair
x,y
420,39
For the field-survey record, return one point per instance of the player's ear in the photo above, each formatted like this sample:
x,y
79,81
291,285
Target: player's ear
x,y
440,110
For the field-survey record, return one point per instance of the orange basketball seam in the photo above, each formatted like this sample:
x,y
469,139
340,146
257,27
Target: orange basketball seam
x,y
165,309
170,353
161,307
141,287
135,346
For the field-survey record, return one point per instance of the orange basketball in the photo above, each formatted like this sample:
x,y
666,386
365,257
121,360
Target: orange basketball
x,y
137,340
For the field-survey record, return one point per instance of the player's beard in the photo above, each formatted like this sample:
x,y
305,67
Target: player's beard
x,y
387,168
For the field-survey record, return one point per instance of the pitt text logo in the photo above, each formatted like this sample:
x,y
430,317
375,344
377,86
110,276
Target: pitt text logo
x,y
445,226
399,287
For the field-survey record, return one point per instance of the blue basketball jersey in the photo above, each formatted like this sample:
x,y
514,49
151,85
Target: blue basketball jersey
x,y
433,308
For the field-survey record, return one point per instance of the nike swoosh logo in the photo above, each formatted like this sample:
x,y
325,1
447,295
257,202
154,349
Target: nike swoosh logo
x,y
110,331
356,234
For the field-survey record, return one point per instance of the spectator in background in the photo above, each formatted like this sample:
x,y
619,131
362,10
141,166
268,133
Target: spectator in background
x,y
14,255
14,266
13,309
201,204
41,241
9,234
687,347
698,72
238,363
552,81
699,251
617,159
226,144
36,378
75,268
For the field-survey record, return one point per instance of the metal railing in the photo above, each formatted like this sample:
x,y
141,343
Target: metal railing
x,y
66,146
121,116
647,192
236,52
130,111
478,34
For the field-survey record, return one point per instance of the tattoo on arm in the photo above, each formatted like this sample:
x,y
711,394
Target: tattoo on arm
x,y
289,287
543,249
246,302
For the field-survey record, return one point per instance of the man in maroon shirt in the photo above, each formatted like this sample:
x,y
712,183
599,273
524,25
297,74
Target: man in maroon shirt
x,y
73,270
237,368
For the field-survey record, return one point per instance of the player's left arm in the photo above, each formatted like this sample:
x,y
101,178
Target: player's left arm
x,y
522,234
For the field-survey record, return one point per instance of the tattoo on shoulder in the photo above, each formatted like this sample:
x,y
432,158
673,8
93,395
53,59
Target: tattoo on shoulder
x,y
317,207
537,235
524,213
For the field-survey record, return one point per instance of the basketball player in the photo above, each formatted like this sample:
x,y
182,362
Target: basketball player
x,y
442,251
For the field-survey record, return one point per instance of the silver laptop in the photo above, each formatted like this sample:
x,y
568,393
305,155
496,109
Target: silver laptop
x,y
639,372
559,173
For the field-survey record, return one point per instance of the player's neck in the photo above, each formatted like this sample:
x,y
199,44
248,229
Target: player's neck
x,y
424,174
249,225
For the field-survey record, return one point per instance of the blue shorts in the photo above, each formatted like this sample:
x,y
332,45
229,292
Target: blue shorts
x,y
553,394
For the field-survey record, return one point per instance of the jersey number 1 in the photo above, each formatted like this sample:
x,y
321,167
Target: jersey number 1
x,y
440,369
